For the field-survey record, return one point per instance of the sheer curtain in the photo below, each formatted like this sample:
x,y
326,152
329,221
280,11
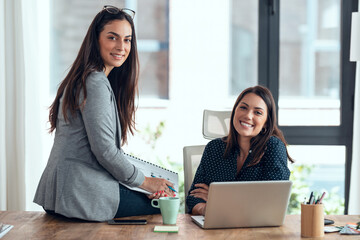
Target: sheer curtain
x,y
354,198
22,104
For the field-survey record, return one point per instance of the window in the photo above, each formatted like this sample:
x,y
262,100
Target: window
x,y
305,63
244,45
309,91
152,26
319,168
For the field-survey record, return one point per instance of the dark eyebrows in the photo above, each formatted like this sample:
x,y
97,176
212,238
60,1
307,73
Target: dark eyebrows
x,y
244,103
248,106
117,35
113,33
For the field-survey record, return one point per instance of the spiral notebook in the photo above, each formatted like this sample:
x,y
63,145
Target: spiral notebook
x,y
152,170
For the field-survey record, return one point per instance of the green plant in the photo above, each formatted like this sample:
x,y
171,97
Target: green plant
x,y
333,203
300,188
150,136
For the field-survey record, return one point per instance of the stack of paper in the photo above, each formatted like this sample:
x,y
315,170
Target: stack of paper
x,y
350,229
4,229
330,229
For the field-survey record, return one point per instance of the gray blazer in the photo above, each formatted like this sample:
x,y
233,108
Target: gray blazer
x,y
86,163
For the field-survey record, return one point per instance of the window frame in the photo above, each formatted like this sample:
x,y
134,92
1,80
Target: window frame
x,y
268,73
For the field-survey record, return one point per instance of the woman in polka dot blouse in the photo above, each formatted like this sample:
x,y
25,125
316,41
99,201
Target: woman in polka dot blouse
x,y
254,149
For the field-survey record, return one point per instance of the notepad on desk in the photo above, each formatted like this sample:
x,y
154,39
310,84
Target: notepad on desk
x,y
166,229
152,170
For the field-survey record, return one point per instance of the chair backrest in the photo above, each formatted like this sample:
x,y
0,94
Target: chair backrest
x,y
192,156
215,124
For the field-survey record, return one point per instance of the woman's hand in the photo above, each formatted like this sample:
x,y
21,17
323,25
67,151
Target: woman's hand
x,y
201,191
158,195
199,209
158,186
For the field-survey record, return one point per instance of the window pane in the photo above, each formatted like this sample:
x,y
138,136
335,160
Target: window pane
x,y
244,31
152,26
309,92
318,169
152,19
153,79
69,21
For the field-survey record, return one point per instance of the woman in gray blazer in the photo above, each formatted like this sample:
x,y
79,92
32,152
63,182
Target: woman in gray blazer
x,y
92,113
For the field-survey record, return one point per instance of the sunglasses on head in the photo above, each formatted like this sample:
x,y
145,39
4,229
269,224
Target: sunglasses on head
x,y
114,10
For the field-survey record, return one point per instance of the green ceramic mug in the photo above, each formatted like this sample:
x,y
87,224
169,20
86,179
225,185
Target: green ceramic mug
x,y
169,208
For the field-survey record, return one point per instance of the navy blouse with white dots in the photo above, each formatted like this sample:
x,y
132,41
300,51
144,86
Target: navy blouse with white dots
x,y
215,168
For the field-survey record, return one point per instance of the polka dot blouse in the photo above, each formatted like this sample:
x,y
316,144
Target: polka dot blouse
x,y
215,168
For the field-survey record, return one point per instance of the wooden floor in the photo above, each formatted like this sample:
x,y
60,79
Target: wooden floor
x,y
39,225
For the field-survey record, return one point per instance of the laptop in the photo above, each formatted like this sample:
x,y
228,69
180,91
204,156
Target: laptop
x,y
245,204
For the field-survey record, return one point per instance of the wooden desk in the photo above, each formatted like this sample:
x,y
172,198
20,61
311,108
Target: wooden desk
x,y
39,225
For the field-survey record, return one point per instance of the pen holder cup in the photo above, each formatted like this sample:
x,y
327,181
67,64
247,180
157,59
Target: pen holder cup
x,y
312,220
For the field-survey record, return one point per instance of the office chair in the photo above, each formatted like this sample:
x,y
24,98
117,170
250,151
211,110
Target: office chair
x,y
192,156
215,124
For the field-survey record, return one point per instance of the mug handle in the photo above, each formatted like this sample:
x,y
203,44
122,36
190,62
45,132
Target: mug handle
x,y
157,201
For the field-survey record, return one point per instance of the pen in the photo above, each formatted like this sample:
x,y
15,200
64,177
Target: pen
x,y
172,189
310,199
168,186
322,196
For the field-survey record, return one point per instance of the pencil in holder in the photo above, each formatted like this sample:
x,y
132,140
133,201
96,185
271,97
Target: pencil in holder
x,y
312,220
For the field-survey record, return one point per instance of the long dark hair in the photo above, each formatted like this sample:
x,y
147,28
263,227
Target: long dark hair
x,y
123,79
257,143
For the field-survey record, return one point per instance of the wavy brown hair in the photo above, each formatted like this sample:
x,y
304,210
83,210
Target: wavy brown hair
x,y
123,79
257,143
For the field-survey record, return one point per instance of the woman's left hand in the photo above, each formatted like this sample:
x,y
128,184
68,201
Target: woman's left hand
x,y
160,194
201,191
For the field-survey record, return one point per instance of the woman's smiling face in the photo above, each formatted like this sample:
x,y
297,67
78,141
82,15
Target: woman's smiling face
x,y
115,44
250,116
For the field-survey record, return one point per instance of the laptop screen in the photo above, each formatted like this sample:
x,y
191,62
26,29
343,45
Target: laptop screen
x,y
247,204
